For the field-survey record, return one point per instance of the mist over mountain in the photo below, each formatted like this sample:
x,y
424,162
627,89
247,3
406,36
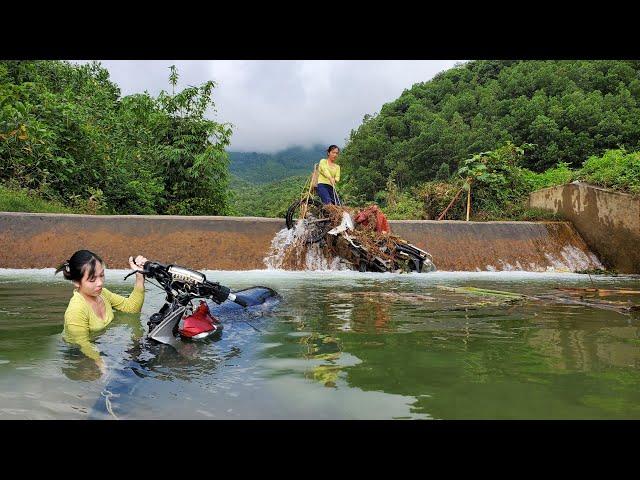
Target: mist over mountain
x,y
261,168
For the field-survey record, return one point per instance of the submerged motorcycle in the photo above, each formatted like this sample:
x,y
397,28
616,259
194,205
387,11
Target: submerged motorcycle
x,y
178,319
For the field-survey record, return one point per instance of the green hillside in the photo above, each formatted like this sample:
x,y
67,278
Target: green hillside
x,y
261,168
568,110
264,200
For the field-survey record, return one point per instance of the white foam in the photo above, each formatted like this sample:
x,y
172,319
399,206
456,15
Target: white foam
x,y
287,239
573,259
279,245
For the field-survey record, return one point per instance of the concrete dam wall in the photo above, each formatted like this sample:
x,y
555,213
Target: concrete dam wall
x,y
608,221
40,240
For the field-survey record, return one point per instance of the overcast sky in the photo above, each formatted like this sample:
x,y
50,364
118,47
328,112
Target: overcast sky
x,y
274,104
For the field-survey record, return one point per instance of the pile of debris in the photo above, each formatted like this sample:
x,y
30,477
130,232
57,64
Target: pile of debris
x,y
364,240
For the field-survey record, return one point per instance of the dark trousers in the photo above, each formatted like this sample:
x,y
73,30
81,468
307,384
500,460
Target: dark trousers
x,y
327,194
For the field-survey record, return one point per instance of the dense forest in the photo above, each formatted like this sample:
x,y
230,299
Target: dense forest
x,y
497,129
566,110
67,135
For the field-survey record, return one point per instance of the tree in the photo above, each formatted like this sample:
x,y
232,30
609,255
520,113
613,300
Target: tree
x,y
196,163
443,172
66,134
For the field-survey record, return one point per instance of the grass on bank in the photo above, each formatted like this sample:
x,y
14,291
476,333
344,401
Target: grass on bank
x,y
616,169
18,200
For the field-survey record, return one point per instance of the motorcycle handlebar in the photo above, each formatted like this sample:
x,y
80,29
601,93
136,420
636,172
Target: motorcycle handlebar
x,y
150,268
219,292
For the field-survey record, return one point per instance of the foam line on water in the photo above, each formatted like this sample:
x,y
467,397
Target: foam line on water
x,y
117,276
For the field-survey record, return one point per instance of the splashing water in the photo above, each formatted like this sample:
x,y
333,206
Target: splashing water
x,y
569,259
289,251
574,260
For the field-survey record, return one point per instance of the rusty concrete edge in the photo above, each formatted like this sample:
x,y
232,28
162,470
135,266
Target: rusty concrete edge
x,y
633,197
546,189
611,258
258,219
218,250
606,190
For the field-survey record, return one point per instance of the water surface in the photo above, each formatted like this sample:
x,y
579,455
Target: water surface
x,y
340,345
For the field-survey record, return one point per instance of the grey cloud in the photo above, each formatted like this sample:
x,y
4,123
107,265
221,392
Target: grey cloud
x,y
274,104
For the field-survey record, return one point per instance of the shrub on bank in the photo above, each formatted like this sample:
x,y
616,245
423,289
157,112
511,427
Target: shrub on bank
x,y
500,187
558,175
616,169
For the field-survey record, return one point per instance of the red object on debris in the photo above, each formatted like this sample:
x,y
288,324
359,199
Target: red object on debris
x,y
382,225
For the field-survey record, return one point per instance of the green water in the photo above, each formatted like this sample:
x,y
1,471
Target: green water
x,y
340,345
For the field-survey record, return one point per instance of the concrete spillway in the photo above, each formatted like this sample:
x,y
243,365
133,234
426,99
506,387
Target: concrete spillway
x,y
609,221
529,246
39,240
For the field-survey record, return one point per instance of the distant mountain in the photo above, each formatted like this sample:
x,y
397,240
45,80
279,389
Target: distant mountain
x,y
260,168
265,200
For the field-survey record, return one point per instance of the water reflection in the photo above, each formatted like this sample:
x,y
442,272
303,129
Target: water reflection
x,y
326,349
589,349
432,344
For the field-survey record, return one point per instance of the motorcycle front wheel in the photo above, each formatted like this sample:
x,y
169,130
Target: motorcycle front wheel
x,y
316,221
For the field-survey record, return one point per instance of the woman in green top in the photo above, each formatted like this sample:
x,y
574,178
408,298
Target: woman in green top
x,y
90,309
328,176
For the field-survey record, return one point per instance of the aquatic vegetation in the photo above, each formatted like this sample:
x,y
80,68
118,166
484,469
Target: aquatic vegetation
x,y
559,298
413,298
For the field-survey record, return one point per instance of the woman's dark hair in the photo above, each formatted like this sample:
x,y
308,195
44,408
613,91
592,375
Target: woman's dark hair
x,y
331,147
79,263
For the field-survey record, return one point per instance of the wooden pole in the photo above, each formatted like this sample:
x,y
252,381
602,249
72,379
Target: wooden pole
x,y
444,212
469,201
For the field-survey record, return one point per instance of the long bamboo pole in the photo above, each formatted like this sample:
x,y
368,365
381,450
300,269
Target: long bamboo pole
x,y
305,206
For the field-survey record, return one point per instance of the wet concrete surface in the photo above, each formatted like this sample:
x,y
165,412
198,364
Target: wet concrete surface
x,y
34,240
